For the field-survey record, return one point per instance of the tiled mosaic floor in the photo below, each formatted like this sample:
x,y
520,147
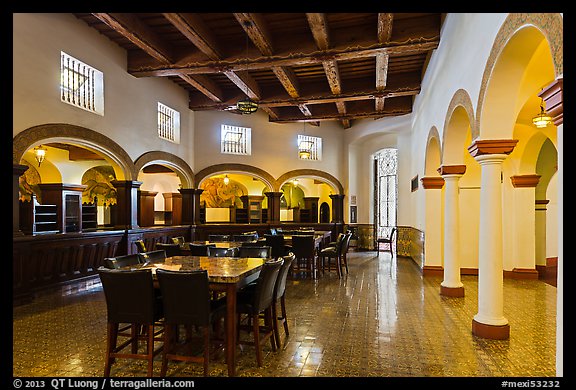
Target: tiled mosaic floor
x,y
384,319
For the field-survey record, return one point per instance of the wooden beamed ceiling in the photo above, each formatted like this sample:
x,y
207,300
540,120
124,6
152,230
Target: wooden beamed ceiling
x,y
309,67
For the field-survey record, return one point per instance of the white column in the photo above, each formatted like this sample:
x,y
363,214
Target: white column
x,y
451,285
490,272
433,225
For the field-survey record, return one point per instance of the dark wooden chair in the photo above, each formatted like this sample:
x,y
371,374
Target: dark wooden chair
x,y
218,237
170,248
387,241
199,249
278,244
199,312
140,246
264,252
334,253
304,249
214,251
257,298
180,240
151,257
122,261
280,295
130,299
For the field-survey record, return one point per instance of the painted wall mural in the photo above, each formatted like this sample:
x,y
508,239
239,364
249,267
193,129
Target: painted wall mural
x,y
218,194
28,183
98,184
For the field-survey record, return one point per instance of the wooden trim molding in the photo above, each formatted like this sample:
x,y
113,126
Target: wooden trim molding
x,y
452,169
492,146
553,95
432,182
521,273
455,292
525,181
493,332
433,270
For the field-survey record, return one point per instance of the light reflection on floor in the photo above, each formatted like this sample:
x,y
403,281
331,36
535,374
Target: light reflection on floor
x,y
383,319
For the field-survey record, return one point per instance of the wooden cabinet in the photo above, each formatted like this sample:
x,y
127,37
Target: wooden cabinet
x,y
68,201
172,208
253,205
146,208
38,218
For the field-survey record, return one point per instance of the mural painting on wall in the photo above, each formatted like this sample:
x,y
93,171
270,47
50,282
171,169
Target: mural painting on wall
x,y
28,184
292,196
218,194
98,184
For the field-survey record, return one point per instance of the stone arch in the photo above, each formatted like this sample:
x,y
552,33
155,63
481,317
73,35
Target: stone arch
x,y
313,173
65,132
548,25
266,178
177,164
459,118
433,155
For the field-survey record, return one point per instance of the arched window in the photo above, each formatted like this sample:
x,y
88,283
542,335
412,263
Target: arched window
x,y
385,191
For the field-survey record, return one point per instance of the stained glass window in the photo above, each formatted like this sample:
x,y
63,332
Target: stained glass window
x,y
386,191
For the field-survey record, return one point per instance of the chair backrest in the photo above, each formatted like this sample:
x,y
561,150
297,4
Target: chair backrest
x,y
171,249
195,308
218,237
392,234
244,237
130,296
280,287
303,246
345,243
214,251
140,246
122,261
273,231
157,256
264,252
264,292
178,240
277,243
199,249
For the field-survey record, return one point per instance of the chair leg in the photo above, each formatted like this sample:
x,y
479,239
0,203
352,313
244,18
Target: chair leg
x,y
283,309
110,346
206,349
256,330
275,324
151,350
168,338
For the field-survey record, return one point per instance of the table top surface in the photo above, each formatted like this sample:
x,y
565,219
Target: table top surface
x,y
220,269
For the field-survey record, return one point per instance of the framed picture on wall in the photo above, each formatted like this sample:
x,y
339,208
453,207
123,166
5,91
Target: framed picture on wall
x,y
352,214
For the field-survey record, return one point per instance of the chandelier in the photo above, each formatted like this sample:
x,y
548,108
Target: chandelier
x,y
247,106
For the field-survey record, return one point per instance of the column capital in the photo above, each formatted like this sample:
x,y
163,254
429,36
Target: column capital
x,y
491,146
525,181
432,182
451,169
553,95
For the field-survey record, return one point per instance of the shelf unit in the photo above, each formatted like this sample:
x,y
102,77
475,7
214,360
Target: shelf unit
x,y
90,215
38,218
68,201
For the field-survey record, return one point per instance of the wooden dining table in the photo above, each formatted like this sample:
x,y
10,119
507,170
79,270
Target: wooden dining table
x,y
225,274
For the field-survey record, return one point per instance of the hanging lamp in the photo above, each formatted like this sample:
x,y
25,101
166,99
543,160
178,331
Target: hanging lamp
x,y
305,146
542,119
40,154
247,105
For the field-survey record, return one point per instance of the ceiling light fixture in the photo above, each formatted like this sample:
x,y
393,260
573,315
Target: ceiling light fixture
x,y
305,146
246,106
542,119
40,154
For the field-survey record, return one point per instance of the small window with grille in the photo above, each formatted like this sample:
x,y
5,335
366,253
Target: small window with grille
x,y
81,85
309,147
235,140
168,123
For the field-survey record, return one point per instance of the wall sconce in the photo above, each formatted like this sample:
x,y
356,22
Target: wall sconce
x,y
542,119
226,180
39,154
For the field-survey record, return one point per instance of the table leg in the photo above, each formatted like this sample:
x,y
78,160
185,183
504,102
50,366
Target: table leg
x,y
231,329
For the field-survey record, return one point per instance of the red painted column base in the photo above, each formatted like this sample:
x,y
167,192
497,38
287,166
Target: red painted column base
x,y
494,332
457,292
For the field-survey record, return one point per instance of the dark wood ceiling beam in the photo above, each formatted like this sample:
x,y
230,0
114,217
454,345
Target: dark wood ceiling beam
x,y
205,85
246,84
327,98
319,27
193,28
340,117
129,26
287,59
385,24
258,33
